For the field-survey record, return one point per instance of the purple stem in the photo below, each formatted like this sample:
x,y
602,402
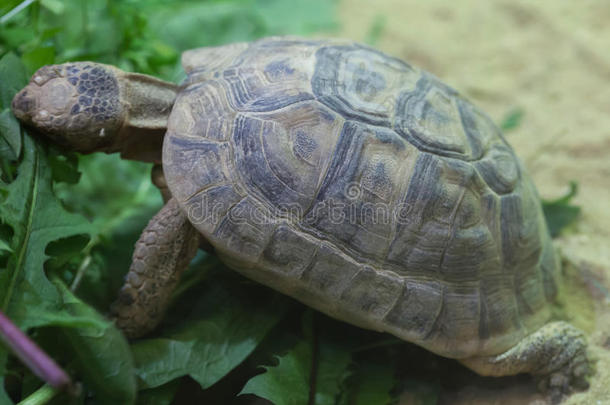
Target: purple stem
x,y
32,356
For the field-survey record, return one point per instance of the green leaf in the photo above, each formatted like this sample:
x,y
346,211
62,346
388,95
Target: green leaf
x,y
225,325
38,57
4,246
8,5
288,382
64,167
10,132
319,362
63,250
13,77
333,369
99,353
108,203
15,37
559,213
512,120
37,218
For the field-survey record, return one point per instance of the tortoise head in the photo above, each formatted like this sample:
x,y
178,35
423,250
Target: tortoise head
x,y
77,105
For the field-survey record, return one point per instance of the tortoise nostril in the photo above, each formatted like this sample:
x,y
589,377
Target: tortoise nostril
x,y
23,104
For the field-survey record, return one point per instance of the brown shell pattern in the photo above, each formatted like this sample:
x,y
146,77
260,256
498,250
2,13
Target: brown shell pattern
x,y
363,187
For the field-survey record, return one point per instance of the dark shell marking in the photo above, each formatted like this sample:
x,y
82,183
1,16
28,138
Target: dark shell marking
x,y
97,91
363,187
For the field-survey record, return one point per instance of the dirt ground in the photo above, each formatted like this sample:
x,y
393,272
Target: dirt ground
x,y
551,60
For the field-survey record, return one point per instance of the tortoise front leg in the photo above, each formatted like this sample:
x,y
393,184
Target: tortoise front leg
x,y
167,245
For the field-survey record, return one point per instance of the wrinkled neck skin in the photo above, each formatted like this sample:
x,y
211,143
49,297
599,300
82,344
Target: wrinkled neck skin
x,y
147,103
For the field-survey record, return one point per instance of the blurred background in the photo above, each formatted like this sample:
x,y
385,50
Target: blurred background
x,y
540,69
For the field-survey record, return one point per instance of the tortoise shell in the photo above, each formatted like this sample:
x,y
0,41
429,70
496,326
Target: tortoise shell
x,y
363,187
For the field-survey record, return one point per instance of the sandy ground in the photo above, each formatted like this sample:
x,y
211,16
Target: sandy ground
x,y
550,59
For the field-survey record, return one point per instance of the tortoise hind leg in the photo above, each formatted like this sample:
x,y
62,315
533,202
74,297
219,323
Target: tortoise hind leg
x,y
165,248
556,355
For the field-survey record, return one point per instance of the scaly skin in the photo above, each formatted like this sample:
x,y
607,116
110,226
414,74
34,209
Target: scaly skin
x,y
556,355
165,248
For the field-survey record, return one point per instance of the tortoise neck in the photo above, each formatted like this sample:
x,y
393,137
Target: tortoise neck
x,y
148,102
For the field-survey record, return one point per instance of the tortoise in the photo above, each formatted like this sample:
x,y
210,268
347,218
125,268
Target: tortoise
x,y
345,178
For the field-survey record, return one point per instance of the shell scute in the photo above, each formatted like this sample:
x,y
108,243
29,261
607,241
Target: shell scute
x,y
456,326
372,293
204,112
260,77
205,163
329,274
288,252
244,232
282,156
360,82
417,308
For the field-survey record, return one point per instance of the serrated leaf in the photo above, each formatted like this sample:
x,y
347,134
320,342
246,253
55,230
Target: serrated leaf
x,y
226,324
559,213
37,218
317,366
287,383
100,353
